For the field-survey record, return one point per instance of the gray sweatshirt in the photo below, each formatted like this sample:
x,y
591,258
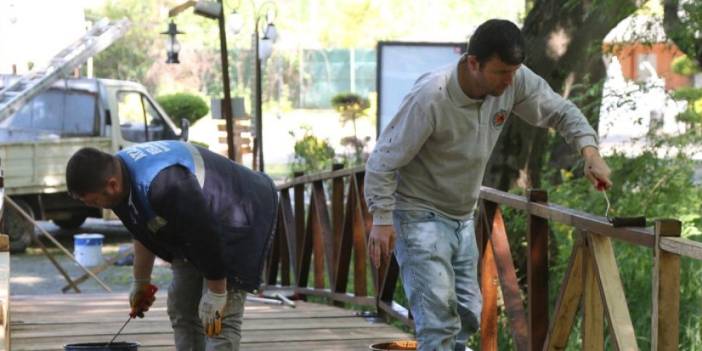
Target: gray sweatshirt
x,y
433,154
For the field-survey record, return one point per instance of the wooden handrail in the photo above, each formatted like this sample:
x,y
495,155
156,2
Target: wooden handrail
x,y
574,218
323,227
320,176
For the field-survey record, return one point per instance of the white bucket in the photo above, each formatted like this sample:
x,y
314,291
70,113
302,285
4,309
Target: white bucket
x,y
88,249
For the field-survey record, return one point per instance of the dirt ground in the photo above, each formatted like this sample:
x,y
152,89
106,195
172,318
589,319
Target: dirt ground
x,y
32,273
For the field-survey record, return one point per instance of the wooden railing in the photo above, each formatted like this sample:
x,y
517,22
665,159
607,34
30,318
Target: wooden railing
x,y
327,235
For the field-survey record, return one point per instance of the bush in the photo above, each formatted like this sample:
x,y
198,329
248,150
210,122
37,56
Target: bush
x,y
184,105
312,154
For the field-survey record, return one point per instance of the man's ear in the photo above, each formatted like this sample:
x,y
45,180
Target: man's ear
x,y
113,185
473,63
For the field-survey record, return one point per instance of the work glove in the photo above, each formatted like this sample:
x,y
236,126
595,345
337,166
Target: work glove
x,y
141,297
211,311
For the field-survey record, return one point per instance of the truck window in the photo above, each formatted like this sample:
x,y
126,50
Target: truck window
x,y
157,127
56,112
132,121
139,120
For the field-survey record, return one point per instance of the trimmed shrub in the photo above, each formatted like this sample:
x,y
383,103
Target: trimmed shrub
x,y
184,105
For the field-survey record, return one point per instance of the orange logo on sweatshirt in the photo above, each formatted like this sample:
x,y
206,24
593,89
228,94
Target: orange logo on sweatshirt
x,y
499,119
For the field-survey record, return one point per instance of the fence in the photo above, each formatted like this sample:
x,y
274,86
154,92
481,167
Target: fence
x,y
328,235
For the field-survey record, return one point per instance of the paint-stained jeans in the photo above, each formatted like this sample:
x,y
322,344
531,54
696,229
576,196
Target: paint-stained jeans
x,y
183,300
438,260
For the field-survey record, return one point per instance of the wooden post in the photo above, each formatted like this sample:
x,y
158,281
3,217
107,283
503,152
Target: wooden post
x,y
337,206
568,300
537,274
337,227
665,319
593,309
623,335
488,280
299,198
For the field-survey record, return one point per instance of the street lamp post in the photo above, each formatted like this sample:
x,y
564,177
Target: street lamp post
x,y
213,11
262,50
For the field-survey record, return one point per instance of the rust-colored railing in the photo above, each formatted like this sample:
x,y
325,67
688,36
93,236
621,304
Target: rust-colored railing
x,y
323,223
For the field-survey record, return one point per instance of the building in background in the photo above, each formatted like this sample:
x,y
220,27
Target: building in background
x,y
639,42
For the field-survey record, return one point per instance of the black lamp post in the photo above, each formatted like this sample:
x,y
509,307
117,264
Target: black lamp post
x,y
212,10
263,48
172,44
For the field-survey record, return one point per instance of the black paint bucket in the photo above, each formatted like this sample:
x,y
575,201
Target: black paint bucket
x,y
101,346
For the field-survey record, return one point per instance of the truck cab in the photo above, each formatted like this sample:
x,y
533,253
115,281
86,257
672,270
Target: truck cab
x,y
37,141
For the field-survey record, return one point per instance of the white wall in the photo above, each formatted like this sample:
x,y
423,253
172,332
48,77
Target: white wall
x,y
35,30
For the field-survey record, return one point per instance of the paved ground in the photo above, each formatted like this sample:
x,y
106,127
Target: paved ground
x,y
32,273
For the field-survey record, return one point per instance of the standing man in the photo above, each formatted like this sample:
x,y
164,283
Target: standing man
x,y
423,177
210,217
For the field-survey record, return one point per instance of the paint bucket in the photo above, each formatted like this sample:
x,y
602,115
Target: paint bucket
x,y
394,345
88,249
101,346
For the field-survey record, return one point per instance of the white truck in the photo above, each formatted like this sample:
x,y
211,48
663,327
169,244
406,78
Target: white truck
x,y
37,141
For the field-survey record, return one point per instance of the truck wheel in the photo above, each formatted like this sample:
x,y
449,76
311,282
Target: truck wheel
x,y
17,227
71,223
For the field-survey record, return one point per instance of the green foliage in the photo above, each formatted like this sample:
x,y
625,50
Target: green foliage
x,y
312,154
645,185
351,107
350,102
130,57
683,65
684,26
184,105
687,93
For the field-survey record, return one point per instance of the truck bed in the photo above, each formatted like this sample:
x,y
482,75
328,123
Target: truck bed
x,y
39,167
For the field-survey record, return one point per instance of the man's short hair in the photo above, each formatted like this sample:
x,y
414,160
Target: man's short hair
x,y
497,37
88,170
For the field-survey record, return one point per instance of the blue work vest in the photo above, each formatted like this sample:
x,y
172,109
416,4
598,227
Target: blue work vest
x,y
145,161
241,202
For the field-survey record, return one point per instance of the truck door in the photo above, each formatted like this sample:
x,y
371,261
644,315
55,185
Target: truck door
x,y
139,120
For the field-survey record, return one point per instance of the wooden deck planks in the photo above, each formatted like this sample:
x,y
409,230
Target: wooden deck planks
x,y
50,321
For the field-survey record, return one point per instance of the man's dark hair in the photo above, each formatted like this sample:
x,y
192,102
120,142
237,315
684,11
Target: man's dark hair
x,y
497,37
88,169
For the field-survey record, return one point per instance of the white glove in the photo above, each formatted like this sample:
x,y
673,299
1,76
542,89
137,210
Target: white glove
x,y
211,310
138,299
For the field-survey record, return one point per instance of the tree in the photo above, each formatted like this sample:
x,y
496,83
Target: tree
x,y
352,107
130,57
682,21
564,46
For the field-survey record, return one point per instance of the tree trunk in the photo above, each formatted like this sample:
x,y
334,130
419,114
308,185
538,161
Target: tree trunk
x,y
564,46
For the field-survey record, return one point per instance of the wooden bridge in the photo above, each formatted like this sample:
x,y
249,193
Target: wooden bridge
x,y
320,251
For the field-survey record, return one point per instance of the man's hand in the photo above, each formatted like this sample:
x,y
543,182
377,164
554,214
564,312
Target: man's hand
x,y
211,311
380,243
596,169
141,297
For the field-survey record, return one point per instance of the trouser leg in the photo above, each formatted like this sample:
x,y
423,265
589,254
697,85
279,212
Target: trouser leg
x,y
424,249
184,296
233,315
465,265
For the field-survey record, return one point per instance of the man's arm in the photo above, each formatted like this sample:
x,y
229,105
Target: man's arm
x,y
397,145
537,104
143,262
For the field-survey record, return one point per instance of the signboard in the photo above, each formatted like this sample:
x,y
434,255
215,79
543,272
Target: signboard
x,y
399,66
